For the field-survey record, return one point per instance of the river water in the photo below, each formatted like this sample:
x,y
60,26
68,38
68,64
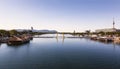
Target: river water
x,y
67,53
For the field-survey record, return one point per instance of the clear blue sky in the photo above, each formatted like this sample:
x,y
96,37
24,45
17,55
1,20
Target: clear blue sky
x,y
61,15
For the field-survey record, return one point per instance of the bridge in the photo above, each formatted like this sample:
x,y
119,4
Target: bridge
x,y
58,35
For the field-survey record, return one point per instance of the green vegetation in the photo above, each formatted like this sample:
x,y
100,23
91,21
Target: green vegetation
x,y
7,33
110,33
13,32
4,33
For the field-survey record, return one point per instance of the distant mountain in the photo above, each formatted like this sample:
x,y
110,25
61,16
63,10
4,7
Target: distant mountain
x,y
21,30
40,31
45,31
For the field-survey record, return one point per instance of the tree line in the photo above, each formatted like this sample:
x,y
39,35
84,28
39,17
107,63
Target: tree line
x,y
8,33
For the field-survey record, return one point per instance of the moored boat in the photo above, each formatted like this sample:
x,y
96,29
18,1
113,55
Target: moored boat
x,y
106,39
17,40
117,40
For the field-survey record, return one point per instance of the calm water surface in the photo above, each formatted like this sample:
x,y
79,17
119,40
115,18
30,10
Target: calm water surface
x,y
68,53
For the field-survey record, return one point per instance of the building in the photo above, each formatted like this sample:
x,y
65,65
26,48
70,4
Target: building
x,y
108,29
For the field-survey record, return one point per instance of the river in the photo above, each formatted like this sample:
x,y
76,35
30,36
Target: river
x,y
67,53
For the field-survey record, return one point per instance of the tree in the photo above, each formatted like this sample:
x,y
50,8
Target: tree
x,y
4,33
13,32
87,31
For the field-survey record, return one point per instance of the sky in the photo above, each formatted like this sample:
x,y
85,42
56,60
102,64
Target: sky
x,y
60,15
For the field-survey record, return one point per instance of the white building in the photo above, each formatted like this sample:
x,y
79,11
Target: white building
x,y
108,29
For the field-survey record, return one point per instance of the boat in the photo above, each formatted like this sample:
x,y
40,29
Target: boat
x,y
17,40
106,39
117,40
4,39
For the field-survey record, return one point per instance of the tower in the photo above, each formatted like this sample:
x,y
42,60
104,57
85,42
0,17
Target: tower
x,y
113,23
31,28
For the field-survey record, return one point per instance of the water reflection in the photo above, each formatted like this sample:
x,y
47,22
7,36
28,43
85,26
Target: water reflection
x,y
59,36
19,45
63,40
0,44
57,39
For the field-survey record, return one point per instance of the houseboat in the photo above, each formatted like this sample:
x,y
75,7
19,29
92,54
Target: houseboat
x,y
17,40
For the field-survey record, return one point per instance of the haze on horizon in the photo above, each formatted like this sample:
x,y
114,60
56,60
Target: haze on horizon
x,y
60,15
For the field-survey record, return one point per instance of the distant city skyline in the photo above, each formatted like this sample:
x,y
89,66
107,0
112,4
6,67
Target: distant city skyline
x,y
60,15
